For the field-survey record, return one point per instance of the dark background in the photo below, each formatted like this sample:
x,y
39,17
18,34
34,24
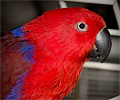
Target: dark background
x,y
17,13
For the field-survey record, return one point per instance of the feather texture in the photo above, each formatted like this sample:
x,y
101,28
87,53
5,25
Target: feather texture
x,y
43,59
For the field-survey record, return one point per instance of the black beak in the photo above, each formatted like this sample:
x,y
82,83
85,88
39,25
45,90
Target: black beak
x,y
102,46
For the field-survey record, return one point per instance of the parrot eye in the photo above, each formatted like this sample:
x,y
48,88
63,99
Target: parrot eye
x,y
81,26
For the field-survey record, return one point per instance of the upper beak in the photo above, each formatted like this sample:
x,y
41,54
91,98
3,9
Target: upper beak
x,y
102,46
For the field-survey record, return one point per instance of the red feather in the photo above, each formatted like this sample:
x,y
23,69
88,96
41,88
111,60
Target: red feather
x,y
60,51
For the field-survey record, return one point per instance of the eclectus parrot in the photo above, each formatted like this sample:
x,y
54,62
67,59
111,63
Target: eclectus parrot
x,y
43,59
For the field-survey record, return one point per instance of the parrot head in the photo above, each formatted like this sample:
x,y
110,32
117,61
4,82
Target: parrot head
x,y
63,39
73,32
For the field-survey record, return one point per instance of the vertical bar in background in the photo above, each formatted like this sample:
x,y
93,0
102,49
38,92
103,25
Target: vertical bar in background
x,y
117,12
62,4
77,90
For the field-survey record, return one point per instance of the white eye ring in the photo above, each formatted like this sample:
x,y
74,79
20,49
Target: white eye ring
x,y
81,26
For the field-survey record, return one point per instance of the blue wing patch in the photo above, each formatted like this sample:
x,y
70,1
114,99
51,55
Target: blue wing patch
x,y
28,50
15,91
18,32
24,47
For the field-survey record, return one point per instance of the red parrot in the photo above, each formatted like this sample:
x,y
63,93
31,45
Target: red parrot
x,y
43,59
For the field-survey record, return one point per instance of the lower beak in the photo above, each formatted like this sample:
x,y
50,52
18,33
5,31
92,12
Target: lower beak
x,y
102,46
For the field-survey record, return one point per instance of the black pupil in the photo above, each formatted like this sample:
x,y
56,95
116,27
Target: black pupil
x,y
82,26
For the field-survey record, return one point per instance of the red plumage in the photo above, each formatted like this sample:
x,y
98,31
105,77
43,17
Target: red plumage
x,y
60,51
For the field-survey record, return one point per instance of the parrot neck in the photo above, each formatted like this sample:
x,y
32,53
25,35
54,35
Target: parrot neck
x,y
51,80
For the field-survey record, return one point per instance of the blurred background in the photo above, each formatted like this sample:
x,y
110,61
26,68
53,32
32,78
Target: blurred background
x,y
98,81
